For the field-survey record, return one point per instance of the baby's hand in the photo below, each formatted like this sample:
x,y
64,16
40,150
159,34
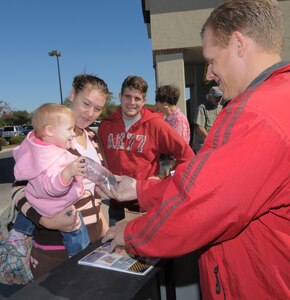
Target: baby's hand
x,y
75,168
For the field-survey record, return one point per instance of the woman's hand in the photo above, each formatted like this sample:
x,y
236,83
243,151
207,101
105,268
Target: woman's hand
x,y
66,221
125,191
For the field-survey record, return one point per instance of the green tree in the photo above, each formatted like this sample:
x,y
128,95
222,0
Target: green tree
x,y
66,102
22,117
7,119
16,118
108,109
4,108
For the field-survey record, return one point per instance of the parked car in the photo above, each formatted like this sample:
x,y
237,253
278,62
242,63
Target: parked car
x,y
94,126
26,129
10,131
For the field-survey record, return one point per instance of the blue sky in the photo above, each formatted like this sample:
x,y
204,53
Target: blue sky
x,y
107,38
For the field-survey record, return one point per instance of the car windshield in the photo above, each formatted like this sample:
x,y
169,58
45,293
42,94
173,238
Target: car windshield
x,y
9,128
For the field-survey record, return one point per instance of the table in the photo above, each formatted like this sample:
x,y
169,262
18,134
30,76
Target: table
x,y
73,281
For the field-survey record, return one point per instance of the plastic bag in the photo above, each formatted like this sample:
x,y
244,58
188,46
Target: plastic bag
x,y
99,174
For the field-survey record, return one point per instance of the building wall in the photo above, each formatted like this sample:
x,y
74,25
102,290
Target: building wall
x,y
285,7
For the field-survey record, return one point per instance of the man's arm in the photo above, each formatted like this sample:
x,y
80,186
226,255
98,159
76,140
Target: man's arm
x,y
201,130
213,197
172,144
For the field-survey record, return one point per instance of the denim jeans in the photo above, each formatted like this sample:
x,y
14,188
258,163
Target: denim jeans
x,y
77,240
23,224
74,241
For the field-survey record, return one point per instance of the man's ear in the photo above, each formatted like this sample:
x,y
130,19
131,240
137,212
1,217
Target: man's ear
x,y
120,96
144,100
48,130
239,41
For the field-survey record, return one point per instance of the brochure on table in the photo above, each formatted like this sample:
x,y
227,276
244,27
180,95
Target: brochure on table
x,y
119,260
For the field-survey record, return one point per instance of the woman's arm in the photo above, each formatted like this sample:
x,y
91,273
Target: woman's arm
x,y
66,220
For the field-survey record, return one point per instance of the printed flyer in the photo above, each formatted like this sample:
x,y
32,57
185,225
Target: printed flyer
x,y
119,260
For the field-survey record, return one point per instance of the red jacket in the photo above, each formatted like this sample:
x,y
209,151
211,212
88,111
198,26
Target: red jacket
x,y
232,201
136,153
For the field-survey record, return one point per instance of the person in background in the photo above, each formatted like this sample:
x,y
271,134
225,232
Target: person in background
x,y
166,99
231,200
205,116
134,138
88,97
54,175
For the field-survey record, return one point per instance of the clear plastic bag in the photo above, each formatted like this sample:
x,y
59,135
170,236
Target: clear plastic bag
x,y
99,174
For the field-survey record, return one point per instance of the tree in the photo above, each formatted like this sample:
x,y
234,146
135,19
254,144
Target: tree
x,y
67,102
108,109
22,117
4,108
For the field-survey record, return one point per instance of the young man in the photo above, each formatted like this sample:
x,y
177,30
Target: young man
x,y
134,137
231,200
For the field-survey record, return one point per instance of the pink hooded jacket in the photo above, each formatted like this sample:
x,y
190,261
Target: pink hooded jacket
x,y
41,165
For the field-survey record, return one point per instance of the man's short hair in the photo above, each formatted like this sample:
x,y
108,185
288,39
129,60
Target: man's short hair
x,y
261,20
135,82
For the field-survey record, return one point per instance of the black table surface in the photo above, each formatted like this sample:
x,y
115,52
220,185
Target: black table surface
x,y
73,281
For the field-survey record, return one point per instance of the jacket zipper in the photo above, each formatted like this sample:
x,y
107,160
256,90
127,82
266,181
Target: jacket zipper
x,y
218,284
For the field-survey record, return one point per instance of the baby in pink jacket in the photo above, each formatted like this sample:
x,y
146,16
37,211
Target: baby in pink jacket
x,y
54,175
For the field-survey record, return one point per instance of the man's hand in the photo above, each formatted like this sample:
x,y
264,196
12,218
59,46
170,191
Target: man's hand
x,y
116,235
125,191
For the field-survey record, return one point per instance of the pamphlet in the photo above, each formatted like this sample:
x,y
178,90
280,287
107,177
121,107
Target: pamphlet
x,y
119,260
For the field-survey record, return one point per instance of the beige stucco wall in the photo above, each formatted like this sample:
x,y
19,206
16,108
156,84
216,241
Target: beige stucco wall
x,y
182,30
176,24
285,7
170,70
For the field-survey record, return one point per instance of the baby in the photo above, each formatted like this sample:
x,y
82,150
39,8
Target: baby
x,y
54,175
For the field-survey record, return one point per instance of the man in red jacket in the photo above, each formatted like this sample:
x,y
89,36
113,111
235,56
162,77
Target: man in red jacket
x,y
231,200
134,137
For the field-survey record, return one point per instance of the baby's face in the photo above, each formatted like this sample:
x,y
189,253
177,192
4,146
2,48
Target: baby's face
x,y
63,132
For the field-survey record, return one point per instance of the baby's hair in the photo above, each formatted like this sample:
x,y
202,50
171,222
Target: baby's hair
x,y
49,114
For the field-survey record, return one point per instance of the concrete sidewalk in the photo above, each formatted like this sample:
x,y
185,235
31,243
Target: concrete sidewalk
x,y
6,177
5,192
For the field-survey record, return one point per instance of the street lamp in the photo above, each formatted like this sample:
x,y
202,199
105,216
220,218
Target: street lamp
x,y
57,54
